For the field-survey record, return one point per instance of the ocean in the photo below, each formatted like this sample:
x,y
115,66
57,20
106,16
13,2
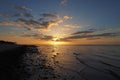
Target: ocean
x,y
75,62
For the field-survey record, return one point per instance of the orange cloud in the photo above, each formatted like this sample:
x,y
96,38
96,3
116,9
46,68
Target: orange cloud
x,y
67,17
70,27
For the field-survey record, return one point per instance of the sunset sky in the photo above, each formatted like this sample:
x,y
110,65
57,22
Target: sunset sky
x,y
60,21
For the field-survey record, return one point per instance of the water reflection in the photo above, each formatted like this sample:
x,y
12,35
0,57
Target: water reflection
x,y
74,63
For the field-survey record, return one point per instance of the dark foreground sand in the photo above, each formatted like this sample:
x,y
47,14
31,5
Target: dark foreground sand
x,y
13,66
10,56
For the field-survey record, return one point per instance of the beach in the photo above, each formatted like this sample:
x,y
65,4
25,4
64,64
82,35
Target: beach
x,y
13,66
49,62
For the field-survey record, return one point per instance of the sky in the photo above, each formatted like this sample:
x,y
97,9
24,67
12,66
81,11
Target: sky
x,y
60,21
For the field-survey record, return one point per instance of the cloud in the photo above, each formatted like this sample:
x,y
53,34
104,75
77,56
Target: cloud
x,y
4,15
28,28
65,29
106,35
20,23
27,15
7,23
83,32
28,21
39,36
93,38
46,37
40,19
63,2
18,15
48,24
64,39
22,8
29,24
67,17
70,27
89,36
49,15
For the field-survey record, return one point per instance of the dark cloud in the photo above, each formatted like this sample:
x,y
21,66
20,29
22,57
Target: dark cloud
x,y
47,37
22,8
30,23
92,29
38,36
24,18
48,24
49,15
91,36
83,32
40,19
106,35
64,39
21,20
18,15
33,22
27,15
28,28
27,20
4,15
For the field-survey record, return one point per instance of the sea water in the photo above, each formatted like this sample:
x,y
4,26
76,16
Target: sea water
x,y
84,62
58,62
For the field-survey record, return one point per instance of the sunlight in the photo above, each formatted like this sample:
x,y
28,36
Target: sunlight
x,y
55,39
56,43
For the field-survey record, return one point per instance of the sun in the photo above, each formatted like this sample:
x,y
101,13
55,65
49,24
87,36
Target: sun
x,y
55,41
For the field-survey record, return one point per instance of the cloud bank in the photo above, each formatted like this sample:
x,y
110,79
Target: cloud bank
x,y
24,18
90,35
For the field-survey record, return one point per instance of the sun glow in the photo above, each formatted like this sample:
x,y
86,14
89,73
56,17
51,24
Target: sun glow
x,y
56,40
57,43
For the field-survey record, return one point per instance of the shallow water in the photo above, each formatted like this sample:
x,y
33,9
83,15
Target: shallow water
x,y
74,63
